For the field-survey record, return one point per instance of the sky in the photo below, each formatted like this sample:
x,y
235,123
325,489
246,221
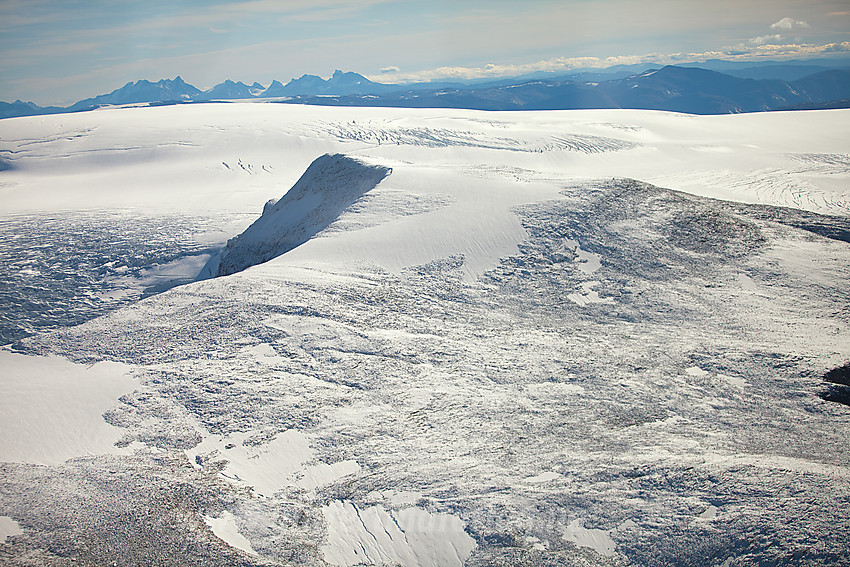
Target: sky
x,y
56,52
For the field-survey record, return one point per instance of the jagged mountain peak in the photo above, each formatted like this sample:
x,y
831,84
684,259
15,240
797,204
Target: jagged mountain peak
x,y
678,88
142,90
228,90
340,83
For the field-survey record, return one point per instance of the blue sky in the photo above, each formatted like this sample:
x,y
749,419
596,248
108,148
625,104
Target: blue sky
x,y
57,52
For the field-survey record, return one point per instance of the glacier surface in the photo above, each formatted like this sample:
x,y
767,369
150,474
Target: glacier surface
x,y
547,338
330,185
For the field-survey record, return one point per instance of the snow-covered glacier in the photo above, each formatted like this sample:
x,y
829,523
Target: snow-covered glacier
x,y
545,338
330,185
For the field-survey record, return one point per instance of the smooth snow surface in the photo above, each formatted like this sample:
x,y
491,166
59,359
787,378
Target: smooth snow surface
x,y
408,537
224,527
597,540
51,410
235,157
9,527
267,467
475,222
546,338
329,186
543,477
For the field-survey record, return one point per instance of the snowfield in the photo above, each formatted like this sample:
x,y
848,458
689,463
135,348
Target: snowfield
x,y
330,185
462,338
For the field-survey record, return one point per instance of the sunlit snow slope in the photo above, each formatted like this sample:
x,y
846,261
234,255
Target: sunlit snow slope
x,y
331,184
236,157
546,338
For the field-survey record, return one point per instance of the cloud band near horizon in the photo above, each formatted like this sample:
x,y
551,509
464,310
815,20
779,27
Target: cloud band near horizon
x,y
56,52
756,51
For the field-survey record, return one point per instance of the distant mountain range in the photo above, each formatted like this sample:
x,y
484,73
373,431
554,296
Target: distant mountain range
x,y
677,89
693,90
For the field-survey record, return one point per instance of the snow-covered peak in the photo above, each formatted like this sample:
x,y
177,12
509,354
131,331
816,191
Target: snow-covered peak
x,y
142,91
256,89
327,187
228,90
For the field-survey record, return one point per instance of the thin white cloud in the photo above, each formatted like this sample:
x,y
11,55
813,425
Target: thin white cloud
x,y
788,24
179,19
490,70
786,50
17,13
209,41
203,69
763,39
756,49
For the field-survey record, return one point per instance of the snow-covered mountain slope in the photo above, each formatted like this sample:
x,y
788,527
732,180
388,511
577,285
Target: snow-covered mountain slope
x,y
516,349
330,185
237,157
